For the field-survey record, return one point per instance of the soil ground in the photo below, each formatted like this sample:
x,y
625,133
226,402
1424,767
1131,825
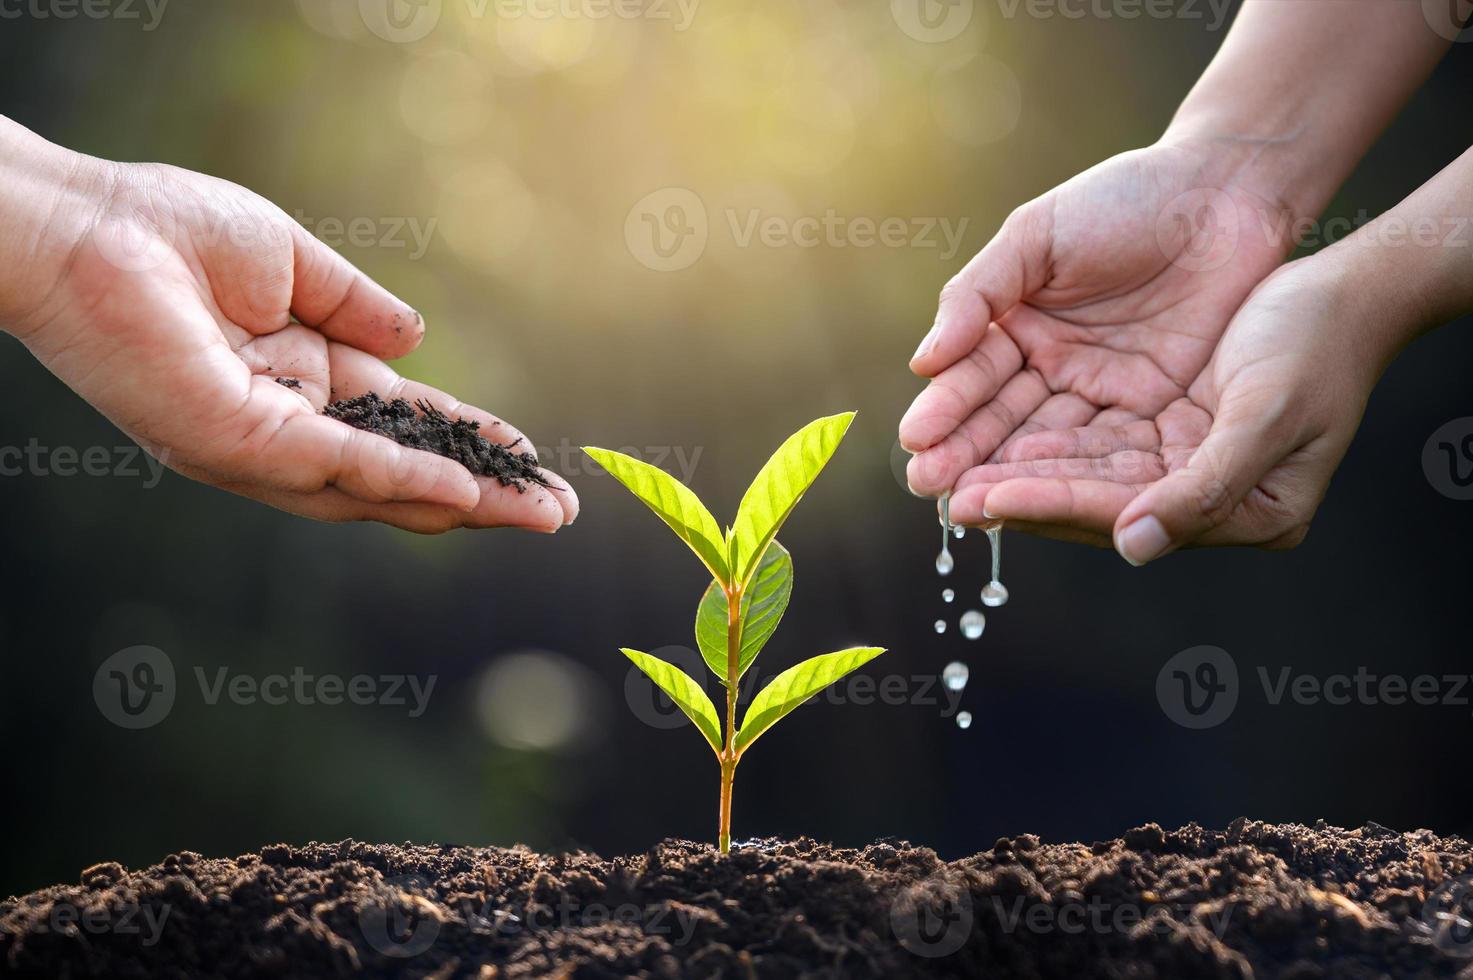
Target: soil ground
x,y
432,430
1254,900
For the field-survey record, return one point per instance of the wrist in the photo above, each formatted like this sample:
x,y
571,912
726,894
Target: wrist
x,y
50,198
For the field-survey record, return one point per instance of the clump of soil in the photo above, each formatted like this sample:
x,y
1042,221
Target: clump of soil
x,y
434,431
1255,900
293,383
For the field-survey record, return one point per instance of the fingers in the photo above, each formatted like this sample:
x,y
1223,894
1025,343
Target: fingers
x,y
1084,505
309,452
959,390
1128,466
1086,442
355,373
336,507
1240,449
1065,410
999,277
328,293
937,469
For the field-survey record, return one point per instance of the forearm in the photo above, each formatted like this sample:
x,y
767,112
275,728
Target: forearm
x,y
1299,91
49,199
1411,269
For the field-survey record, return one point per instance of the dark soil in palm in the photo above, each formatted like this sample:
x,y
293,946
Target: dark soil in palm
x,y
434,431
1256,900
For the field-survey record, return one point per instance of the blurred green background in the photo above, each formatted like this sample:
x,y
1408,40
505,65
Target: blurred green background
x,y
524,148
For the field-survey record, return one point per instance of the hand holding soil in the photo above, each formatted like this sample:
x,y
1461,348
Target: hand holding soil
x,y
175,303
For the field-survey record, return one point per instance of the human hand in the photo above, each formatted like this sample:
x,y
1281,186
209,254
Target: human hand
x,y
1096,305
172,301
1244,457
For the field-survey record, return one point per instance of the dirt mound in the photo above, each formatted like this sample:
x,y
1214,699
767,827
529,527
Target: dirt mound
x,y
1256,900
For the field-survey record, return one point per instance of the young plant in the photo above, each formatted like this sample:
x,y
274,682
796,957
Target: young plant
x,y
752,580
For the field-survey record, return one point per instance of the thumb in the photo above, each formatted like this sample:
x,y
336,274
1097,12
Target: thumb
x,y
1009,267
1239,451
330,294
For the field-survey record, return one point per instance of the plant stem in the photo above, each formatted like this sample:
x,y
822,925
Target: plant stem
x,y
729,756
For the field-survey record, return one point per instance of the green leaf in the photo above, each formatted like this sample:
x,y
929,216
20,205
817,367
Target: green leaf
x,y
683,691
674,502
763,604
778,488
794,686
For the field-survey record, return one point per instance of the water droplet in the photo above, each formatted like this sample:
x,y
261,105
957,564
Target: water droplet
x,y
964,720
944,562
994,593
955,675
972,624
947,595
941,626
958,532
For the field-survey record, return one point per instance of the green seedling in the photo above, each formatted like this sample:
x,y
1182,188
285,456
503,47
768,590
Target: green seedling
x,y
752,580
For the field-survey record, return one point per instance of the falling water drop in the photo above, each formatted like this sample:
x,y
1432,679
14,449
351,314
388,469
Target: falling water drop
x,y
964,720
955,675
994,593
972,624
944,562
947,595
958,532
941,626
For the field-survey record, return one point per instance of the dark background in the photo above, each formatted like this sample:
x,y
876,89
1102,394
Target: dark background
x,y
560,331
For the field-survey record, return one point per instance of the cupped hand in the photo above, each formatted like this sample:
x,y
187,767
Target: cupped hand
x,y
1095,306
173,301
1243,457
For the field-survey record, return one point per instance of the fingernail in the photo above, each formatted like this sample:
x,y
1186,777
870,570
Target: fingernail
x,y
1142,541
987,513
927,343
